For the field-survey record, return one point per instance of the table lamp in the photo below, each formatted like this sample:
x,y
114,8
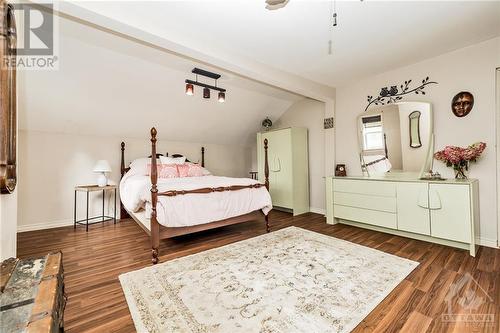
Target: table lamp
x,y
101,167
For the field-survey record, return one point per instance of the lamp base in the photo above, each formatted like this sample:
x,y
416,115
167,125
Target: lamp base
x,y
102,180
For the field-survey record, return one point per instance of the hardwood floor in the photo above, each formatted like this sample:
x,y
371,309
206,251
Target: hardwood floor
x,y
93,261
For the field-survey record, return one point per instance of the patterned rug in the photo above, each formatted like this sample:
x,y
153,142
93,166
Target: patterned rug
x,y
291,280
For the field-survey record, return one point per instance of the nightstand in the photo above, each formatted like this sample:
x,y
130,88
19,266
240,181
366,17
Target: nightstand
x,y
102,218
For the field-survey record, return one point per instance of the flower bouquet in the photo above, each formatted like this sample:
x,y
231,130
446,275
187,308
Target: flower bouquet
x,y
459,158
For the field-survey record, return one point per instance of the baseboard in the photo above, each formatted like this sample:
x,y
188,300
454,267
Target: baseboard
x,y
487,242
44,225
321,211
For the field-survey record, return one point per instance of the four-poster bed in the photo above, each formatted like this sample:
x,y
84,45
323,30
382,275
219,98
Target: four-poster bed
x,y
234,186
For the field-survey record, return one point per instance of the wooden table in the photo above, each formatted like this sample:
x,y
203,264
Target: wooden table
x,y
101,218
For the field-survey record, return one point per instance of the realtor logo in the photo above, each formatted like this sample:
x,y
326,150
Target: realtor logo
x,y
32,32
38,29
464,303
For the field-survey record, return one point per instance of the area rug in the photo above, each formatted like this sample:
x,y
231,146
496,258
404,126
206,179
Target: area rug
x,y
291,280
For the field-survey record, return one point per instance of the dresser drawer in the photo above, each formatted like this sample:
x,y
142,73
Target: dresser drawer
x,y
366,187
373,217
385,204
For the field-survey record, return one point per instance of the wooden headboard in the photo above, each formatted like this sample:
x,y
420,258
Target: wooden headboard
x,y
124,169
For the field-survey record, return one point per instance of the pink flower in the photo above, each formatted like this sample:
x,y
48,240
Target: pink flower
x,y
458,156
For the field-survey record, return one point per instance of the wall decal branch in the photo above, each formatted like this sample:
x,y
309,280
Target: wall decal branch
x,y
392,94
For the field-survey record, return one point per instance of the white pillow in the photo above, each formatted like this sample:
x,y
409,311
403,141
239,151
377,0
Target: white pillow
x,y
140,165
172,160
206,172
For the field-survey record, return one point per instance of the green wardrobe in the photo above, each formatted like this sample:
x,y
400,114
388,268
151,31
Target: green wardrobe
x,y
288,168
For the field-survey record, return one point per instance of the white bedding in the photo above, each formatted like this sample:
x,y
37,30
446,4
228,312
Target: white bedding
x,y
192,209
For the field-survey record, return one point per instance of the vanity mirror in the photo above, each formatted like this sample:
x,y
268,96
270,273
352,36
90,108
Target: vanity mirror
x,y
396,138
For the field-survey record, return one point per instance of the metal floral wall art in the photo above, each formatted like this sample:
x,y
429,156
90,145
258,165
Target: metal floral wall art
x,y
394,94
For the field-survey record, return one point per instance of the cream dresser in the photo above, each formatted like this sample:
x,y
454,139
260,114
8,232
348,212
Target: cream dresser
x,y
288,168
444,212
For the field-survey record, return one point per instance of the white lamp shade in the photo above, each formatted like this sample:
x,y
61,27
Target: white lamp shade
x,y
102,166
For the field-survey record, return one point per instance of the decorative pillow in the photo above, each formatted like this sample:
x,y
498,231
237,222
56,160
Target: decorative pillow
x,y
165,170
172,160
183,170
195,170
168,171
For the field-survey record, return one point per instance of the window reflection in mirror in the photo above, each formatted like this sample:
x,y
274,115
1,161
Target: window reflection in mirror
x,y
373,134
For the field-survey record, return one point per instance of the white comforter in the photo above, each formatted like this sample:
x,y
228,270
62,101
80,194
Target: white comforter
x,y
193,209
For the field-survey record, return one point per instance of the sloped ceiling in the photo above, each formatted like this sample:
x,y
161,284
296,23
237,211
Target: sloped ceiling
x,y
371,37
110,86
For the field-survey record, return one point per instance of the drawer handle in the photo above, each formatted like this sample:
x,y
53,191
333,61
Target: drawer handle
x,y
434,200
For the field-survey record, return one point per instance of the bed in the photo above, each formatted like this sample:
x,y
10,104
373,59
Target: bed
x,y
166,207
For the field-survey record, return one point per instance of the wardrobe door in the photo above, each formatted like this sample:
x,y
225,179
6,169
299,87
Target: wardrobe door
x,y
413,208
280,167
450,212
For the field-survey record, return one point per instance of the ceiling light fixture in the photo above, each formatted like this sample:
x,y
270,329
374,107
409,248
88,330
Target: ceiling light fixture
x,y
206,93
333,14
206,87
275,4
222,97
189,89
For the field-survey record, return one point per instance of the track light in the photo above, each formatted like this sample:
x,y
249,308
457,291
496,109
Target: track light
x,y
206,92
222,97
189,89
206,87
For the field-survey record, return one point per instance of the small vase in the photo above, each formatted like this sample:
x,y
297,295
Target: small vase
x,y
460,173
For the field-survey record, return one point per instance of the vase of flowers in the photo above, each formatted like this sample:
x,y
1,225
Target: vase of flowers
x,y
459,158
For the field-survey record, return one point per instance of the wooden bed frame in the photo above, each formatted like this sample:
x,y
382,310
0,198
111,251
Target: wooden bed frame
x,y
158,231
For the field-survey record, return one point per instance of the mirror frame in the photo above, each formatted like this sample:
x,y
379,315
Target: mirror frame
x,y
428,162
411,118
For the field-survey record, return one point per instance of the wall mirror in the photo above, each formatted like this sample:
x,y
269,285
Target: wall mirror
x,y
396,138
414,119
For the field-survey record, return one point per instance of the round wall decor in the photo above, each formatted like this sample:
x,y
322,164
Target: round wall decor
x,y
462,103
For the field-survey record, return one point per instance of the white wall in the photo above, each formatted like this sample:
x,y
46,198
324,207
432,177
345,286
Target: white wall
x,y
310,113
8,225
51,164
470,69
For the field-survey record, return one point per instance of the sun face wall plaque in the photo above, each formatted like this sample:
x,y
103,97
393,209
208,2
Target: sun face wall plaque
x,y
462,104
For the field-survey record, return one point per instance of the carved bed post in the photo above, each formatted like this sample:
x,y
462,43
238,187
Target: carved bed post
x,y
123,212
266,175
8,106
155,227
122,164
203,157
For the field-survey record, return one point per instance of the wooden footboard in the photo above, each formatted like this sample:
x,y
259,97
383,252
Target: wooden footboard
x,y
156,234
